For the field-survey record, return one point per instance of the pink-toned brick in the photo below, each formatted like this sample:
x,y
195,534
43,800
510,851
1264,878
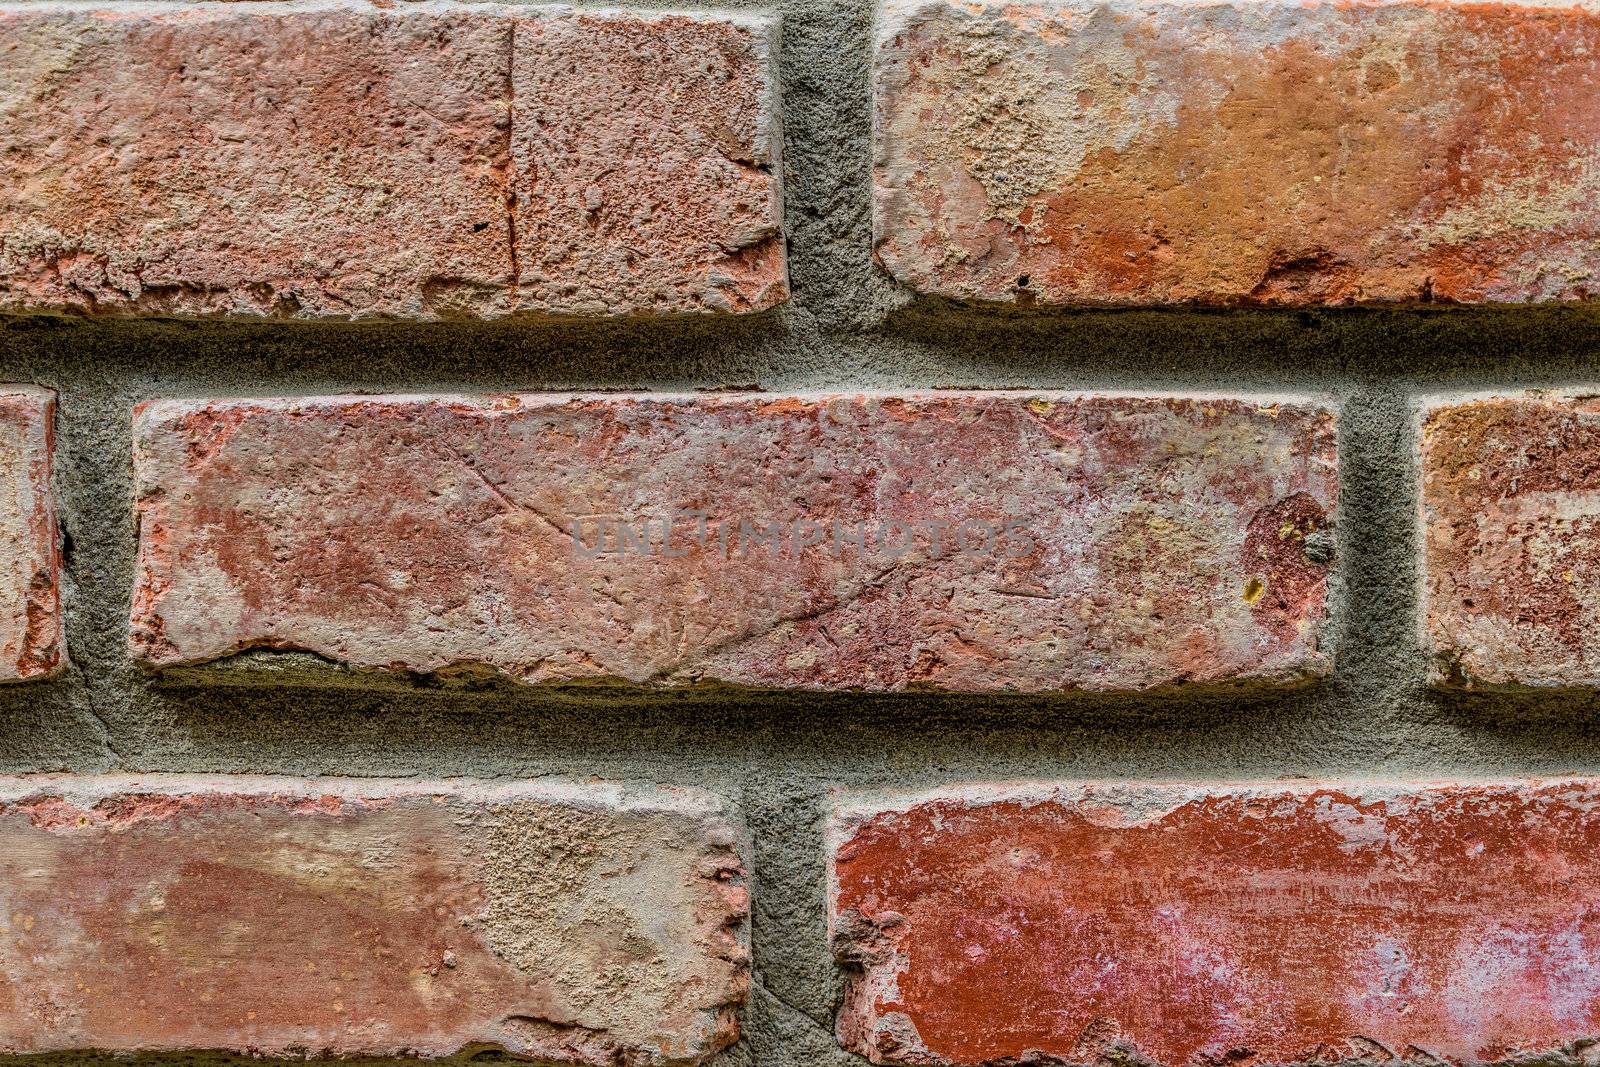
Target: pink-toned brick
x,y
645,152
1511,532
410,161
588,924
1191,925
1089,152
32,644
1152,542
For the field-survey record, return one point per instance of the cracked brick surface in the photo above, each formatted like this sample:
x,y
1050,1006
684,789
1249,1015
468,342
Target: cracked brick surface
x,y
1198,924
587,924
1113,153
978,542
424,161
32,642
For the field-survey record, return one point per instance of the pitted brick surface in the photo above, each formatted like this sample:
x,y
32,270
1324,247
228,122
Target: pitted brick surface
x,y
982,542
1119,153
590,925
1201,924
410,161
32,641
1510,503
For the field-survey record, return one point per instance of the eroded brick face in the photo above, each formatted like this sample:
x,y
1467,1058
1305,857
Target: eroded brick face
x,y
1202,924
645,160
1511,529
32,644
1262,153
1090,543
577,925
410,161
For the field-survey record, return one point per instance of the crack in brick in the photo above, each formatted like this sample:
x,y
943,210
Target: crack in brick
x,y
511,160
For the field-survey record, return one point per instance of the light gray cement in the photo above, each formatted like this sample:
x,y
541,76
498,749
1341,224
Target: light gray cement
x,y
777,756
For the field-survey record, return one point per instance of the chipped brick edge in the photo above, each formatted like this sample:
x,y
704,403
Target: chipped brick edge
x,y
1445,669
765,29
43,653
50,798
855,942
262,662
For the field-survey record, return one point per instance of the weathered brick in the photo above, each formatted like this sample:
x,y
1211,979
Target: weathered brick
x,y
31,641
1080,151
574,924
409,161
1511,529
1152,542
1269,923
645,151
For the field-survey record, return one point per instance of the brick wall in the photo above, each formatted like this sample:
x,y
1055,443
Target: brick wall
x,y
918,533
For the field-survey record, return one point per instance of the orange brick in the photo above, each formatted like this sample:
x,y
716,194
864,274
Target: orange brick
x,y
1067,152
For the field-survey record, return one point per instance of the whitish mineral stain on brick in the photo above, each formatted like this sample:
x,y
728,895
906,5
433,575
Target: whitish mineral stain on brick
x,y
1164,541
1511,528
1274,152
410,161
588,925
1198,924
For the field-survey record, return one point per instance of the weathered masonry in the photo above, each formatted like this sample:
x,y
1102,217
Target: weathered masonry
x,y
800,533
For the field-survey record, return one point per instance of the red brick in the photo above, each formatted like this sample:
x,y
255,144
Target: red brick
x,y
1157,541
1064,152
1511,527
646,155
276,917
405,161
1268,923
32,644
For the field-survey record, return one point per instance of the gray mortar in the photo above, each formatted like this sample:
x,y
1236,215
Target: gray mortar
x,y
776,756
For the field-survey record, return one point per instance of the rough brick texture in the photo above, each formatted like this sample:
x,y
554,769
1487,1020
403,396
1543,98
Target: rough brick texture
x,y
1511,529
1276,152
584,925
31,641
1156,541
1188,924
412,161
